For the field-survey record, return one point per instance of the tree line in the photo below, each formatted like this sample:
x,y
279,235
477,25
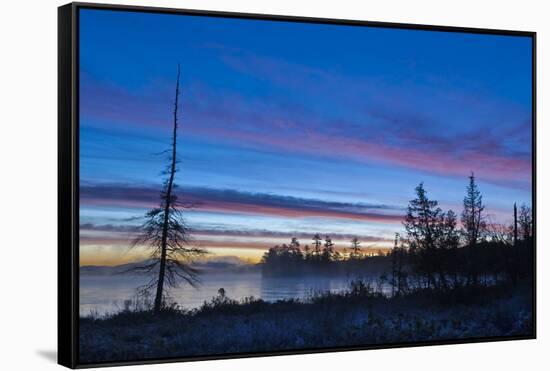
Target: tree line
x,y
438,249
319,256
443,254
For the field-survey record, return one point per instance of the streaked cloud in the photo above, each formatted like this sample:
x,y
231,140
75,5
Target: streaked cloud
x,y
232,201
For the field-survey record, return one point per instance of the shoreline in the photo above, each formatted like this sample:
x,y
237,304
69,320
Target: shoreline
x,y
358,317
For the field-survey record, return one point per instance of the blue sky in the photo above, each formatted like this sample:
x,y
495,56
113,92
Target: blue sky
x,y
288,128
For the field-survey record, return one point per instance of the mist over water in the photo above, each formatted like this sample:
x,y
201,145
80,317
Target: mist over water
x,y
104,294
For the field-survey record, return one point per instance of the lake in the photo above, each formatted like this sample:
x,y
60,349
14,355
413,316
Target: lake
x,y
102,294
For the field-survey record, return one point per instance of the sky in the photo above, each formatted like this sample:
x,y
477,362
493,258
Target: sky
x,y
289,129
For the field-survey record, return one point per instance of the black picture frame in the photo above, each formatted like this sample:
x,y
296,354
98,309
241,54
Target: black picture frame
x,y
68,175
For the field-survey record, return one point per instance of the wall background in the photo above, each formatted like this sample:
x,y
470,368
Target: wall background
x,y
28,155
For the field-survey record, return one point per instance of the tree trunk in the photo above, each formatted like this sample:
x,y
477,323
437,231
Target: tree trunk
x,y
516,247
515,224
167,205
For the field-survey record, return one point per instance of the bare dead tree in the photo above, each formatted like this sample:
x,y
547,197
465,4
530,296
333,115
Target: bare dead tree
x,y
165,232
525,221
499,232
393,254
515,225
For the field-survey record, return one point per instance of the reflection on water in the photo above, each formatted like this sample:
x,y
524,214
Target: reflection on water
x,y
106,294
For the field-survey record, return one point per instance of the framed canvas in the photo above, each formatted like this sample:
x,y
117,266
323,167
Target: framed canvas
x,y
237,185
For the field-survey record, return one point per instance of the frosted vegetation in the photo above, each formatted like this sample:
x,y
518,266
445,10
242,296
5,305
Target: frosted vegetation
x,y
358,317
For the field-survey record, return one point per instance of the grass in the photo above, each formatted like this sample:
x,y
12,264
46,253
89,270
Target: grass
x,y
361,316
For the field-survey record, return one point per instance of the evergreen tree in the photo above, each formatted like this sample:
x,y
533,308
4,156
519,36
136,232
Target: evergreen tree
x,y
328,250
165,232
317,243
473,219
355,248
473,224
423,226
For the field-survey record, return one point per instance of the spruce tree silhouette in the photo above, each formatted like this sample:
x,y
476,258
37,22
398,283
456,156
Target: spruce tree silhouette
x,y
474,225
165,232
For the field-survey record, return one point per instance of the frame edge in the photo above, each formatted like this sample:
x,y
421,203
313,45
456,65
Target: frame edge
x,y
68,260
300,19
66,285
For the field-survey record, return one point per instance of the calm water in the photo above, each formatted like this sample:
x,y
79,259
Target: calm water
x,y
106,294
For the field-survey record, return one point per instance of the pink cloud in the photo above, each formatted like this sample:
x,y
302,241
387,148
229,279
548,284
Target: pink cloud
x,y
411,142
